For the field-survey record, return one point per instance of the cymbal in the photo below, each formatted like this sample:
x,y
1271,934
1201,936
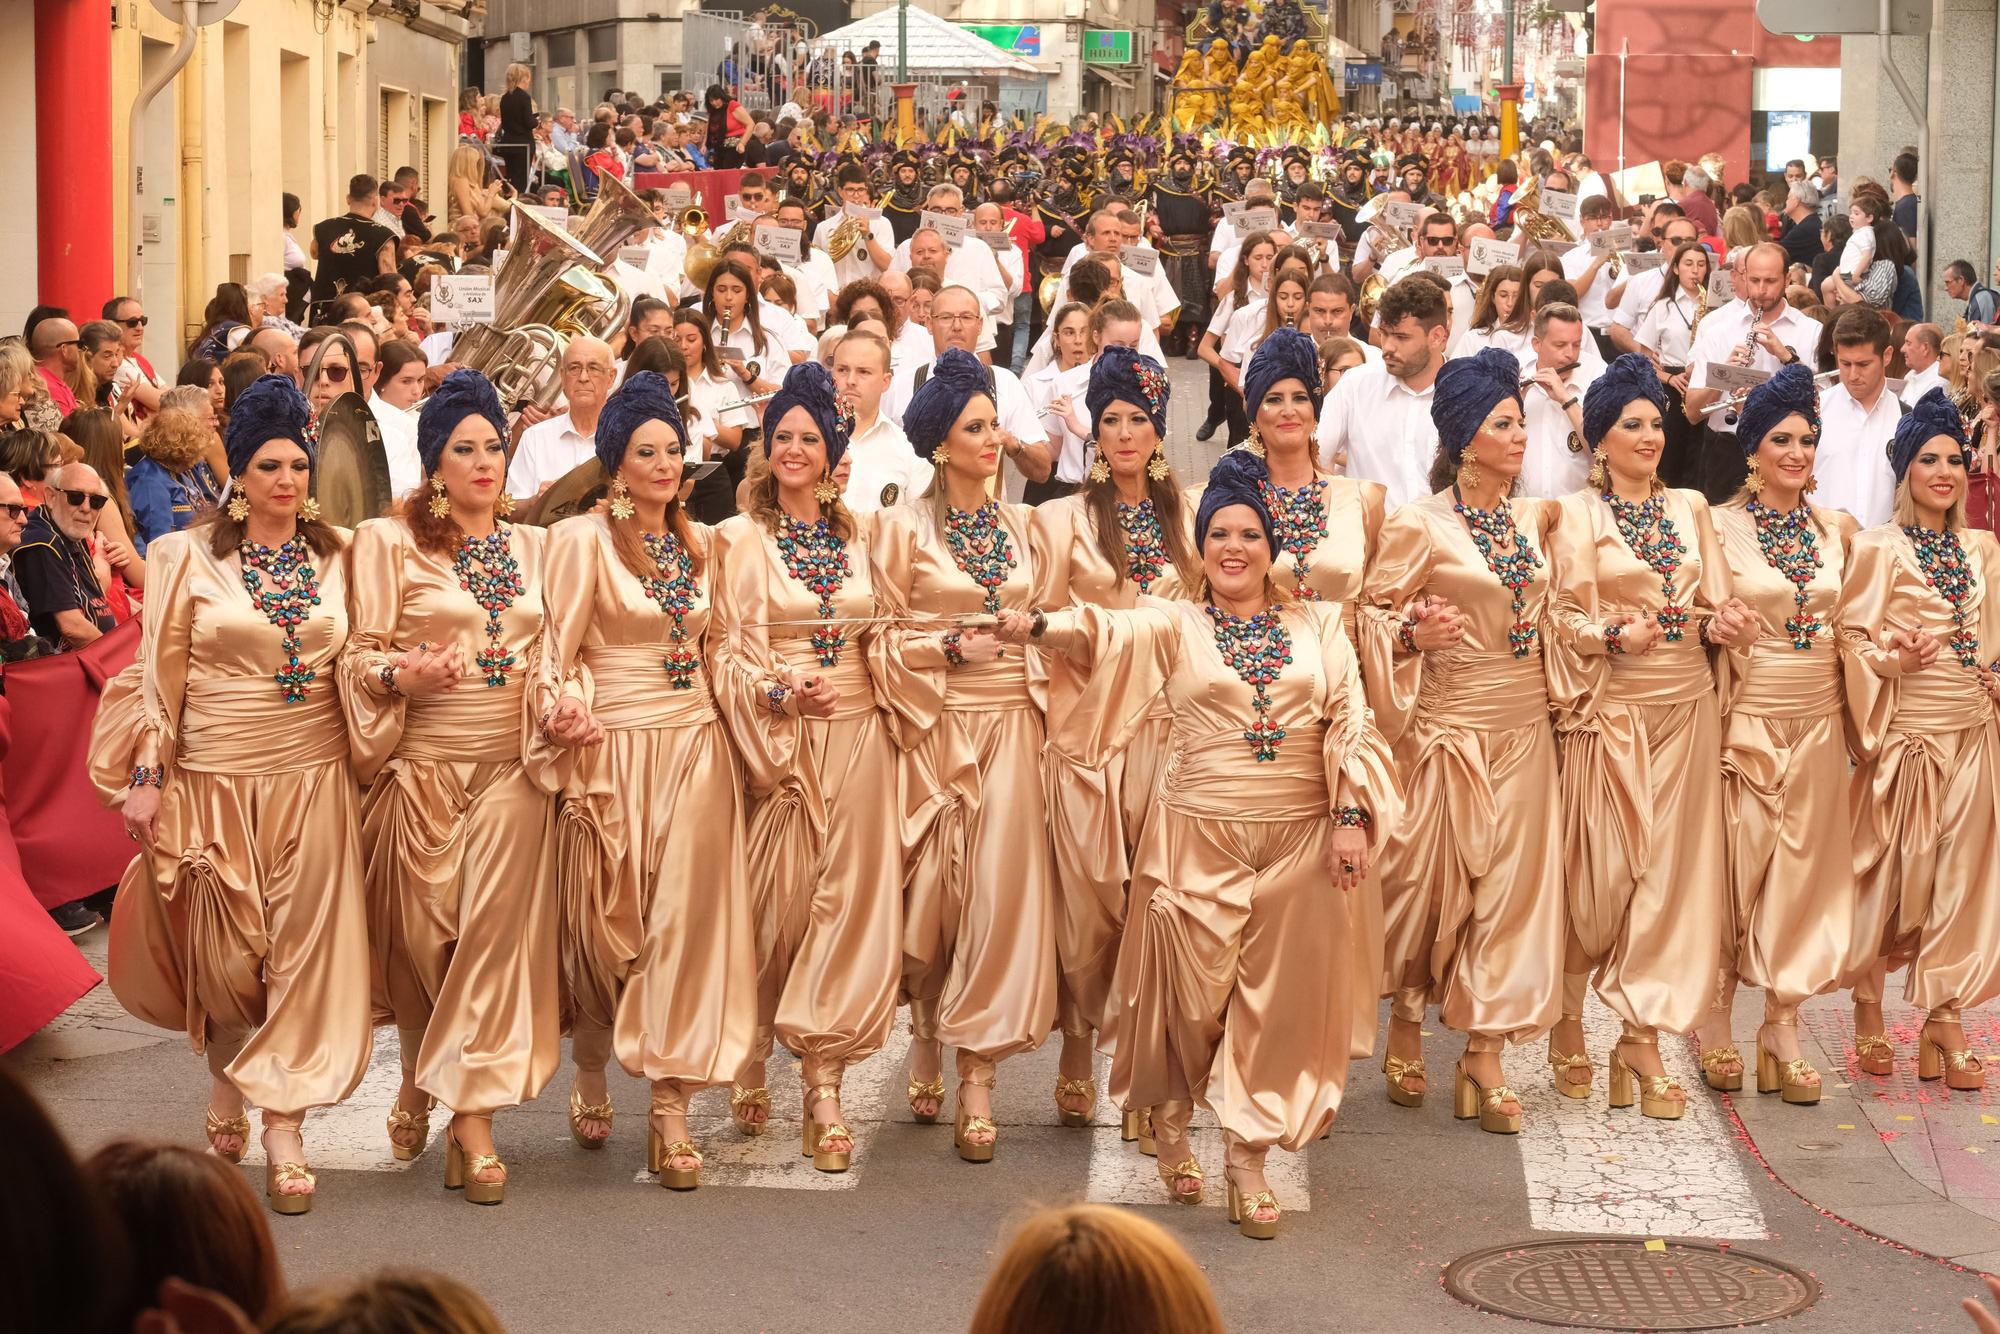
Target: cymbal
x,y
575,492
351,474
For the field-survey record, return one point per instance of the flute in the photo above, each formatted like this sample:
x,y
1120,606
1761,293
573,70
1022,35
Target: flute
x,y
1535,379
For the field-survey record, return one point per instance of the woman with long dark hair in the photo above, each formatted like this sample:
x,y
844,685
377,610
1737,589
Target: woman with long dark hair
x,y
228,311
1666,336
729,129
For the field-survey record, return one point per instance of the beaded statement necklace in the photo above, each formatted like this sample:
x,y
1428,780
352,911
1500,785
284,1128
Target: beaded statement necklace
x,y
1145,543
1257,648
816,557
1650,533
293,593
1300,515
1491,530
1942,560
672,587
979,547
486,568
1791,546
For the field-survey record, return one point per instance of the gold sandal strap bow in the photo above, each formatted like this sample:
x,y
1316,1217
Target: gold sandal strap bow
x,y
740,1097
977,1124
680,1148
1187,1169
933,1089
1712,1059
1397,1069
234,1125
1872,1044
285,1172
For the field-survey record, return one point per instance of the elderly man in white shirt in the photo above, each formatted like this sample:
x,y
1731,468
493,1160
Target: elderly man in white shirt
x,y
1115,231
1857,420
1759,331
550,449
1376,425
955,323
970,263
874,247
1557,462
1923,344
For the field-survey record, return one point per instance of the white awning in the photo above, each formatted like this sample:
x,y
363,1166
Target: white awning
x,y
1115,80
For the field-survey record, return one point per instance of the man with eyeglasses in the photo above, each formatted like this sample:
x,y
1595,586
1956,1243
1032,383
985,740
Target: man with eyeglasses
x,y
60,573
366,355
549,449
136,383
56,349
969,264
17,641
955,322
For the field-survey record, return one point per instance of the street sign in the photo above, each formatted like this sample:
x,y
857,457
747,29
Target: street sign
x,y
1803,18
1104,46
1023,39
1358,73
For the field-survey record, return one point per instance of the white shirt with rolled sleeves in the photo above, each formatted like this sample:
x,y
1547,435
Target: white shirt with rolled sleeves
x,y
857,264
1385,429
1596,315
1853,460
1551,468
971,264
880,458
547,451
1016,410
1725,329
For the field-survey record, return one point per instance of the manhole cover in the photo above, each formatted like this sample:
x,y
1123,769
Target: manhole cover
x,y
1621,1285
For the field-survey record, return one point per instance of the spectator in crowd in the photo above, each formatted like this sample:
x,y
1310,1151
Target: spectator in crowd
x,y
1801,235
17,640
1903,192
102,345
274,292
99,433
353,247
1961,283
278,349
1869,270
1833,234
224,323
399,384
18,383
1695,202
64,1261
60,567
406,1301
415,223
170,484
29,456
58,351
1923,348
1093,1269
563,133
137,382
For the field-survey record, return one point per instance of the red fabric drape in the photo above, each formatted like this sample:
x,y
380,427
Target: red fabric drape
x,y
41,973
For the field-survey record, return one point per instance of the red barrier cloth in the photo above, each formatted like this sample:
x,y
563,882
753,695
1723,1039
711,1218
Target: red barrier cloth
x,y
41,973
708,186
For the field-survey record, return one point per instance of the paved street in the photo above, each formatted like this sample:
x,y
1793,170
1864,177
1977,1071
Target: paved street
x,y
1885,1194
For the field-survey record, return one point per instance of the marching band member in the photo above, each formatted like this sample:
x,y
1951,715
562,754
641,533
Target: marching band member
x,y
874,242
657,941
1125,534
824,846
1641,587
1784,751
1235,983
882,468
445,604
241,922
1557,376
1457,605
1918,629
979,917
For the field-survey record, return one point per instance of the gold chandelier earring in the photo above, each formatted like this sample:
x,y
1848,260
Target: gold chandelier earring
x,y
239,505
824,491
940,456
1099,471
1812,483
1753,479
1255,444
439,505
1469,476
1600,470
621,499
1157,467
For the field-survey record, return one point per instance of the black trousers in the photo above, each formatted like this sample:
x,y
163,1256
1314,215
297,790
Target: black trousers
x,y
515,158
1680,462
1040,493
1723,466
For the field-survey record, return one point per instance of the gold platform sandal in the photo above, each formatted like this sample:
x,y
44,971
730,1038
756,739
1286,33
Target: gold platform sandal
x,y
967,1125
1189,1170
581,1111
1873,1054
1957,1066
923,1028
668,1100
278,1175
1795,1079
1397,1070
462,1169
218,1126
1169,1124
1651,1090
742,1102
1470,1100
410,1123
1717,1078
1076,1088
813,1137
1243,1206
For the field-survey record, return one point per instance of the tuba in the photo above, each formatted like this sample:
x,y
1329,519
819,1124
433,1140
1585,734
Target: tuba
x,y
616,217
537,254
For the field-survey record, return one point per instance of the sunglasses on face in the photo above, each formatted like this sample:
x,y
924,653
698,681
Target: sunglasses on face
x,y
82,498
136,322
334,374
15,511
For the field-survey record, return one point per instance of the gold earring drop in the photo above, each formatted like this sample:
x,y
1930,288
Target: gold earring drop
x,y
621,499
940,456
1157,467
825,492
1469,476
1256,443
1812,482
239,506
309,511
1600,470
439,505
1753,479
504,507
1099,471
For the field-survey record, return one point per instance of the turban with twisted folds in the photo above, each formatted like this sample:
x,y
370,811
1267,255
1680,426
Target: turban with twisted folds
x,y
1928,418
1121,375
1790,390
1468,389
1623,383
809,385
644,397
464,393
955,379
272,408
1238,478
1285,354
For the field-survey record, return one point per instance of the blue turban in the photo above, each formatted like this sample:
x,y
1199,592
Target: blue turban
x,y
1468,389
464,393
643,398
1790,390
1928,418
1121,375
955,379
272,408
1624,382
1285,354
809,385
1238,478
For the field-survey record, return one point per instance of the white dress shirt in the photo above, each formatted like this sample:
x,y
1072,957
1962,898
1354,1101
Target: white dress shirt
x,y
1638,299
1853,460
1918,383
1385,429
1551,467
1474,341
1667,327
1017,414
913,347
1723,330
882,458
1044,386
1152,293
1244,331
547,451
399,445
708,393
970,264
1596,314
816,284
857,263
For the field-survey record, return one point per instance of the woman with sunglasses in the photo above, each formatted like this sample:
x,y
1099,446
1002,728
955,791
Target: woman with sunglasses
x,y
328,362
241,920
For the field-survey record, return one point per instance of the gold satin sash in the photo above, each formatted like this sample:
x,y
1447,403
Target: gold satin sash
x,y
1483,691
1670,674
1942,698
1217,775
630,691
988,687
242,725
850,677
1784,682
471,723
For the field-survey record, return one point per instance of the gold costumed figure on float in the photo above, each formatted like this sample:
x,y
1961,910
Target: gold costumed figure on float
x,y
1193,105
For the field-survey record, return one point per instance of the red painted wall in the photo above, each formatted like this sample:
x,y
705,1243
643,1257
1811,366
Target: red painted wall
x,y
1686,81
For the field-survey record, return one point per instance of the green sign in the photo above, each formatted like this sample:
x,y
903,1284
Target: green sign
x,y
1023,39
1107,47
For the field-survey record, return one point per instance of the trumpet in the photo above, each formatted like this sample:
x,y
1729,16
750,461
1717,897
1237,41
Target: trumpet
x,y
702,254
1731,403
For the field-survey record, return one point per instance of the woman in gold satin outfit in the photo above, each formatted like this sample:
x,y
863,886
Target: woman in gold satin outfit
x,y
657,944
1124,534
241,920
1784,747
1234,982
445,602
979,913
1641,588
1919,632
824,846
1455,611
